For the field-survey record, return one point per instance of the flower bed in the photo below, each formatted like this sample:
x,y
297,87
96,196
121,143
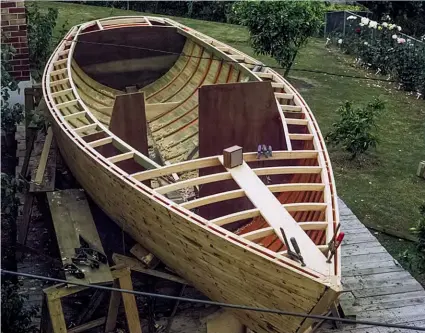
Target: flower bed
x,y
382,47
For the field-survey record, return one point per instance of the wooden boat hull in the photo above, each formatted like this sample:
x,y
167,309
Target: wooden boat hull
x,y
219,268
224,265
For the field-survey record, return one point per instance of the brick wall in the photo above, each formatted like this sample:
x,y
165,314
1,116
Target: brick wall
x,y
14,30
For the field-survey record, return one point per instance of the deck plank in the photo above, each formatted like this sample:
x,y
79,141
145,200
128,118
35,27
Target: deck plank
x,y
377,287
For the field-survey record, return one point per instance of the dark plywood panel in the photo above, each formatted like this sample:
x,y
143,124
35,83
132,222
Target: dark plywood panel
x,y
243,114
110,56
128,122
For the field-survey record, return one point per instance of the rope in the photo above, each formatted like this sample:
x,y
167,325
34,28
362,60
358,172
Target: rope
x,y
225,305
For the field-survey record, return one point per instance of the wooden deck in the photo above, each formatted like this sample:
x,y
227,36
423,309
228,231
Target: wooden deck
x,y
378,288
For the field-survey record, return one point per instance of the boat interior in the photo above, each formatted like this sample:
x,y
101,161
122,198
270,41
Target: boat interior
x,y
183,90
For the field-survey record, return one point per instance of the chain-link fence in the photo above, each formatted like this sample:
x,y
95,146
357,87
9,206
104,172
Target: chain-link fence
x,y
379,46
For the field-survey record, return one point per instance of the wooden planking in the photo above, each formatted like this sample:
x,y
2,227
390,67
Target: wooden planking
x,y
197,262
277,216
120,67
71,218
44,176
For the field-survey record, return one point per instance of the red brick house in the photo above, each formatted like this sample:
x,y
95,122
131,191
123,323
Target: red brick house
x,y
14,32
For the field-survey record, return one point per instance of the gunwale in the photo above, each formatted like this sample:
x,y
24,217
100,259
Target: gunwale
x,y
135,180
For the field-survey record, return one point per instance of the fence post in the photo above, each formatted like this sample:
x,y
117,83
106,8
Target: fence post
x,y
345,19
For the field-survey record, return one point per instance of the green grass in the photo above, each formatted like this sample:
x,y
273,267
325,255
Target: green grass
x,y
381,190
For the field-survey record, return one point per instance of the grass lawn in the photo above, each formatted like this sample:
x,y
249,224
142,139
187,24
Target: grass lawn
x,y
382,189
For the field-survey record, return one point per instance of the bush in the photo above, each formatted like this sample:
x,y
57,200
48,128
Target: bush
x,y
280,28
10,115
40,37
382,48
15,318
354,130
419,229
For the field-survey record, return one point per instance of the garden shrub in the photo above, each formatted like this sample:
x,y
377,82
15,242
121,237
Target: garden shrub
x,y
15,317
40,37
11,115
381,47
354,132
280,28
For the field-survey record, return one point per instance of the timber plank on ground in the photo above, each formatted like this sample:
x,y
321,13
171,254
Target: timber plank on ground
x,y
376,287
72,218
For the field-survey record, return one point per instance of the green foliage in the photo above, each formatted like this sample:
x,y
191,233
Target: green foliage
x,y
409,14
7,81
354,130
15,318
203,10
419,229
382,48
334,6
40,41
280,28
10,115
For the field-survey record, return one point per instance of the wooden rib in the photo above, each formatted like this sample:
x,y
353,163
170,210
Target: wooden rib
x,y
60,62
213,198
305,206
323,248
100,142
284,170
63,53
278,85
291,108
296,136
58,71
293,121
75,115
257,234
241,193
59,82
85,128
245,214
284,96
226,175
213,161
251,213
193,182
61,93
67,104
121,157
265,75
320,225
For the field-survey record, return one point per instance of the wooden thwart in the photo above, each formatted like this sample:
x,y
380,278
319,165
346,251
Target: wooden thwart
x,y
277,216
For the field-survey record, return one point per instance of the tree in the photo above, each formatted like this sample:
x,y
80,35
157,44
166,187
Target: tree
x,y
354,130
280,28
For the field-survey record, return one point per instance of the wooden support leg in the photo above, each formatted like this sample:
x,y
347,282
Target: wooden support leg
x,y
56,314
124,279
26,216
46,324
114,304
